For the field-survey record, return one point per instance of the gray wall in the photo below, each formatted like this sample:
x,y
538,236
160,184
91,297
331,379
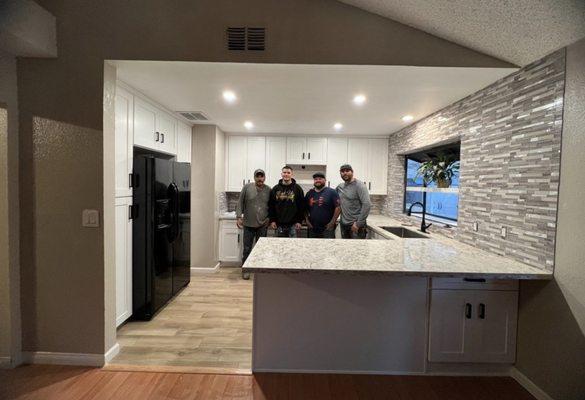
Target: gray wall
x,y
61,123
551,335
510,135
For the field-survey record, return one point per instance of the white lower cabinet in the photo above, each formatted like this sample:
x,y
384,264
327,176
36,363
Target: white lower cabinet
x,y
230,241
123,236
476,326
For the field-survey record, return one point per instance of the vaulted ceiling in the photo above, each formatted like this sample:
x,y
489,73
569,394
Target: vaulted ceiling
x,y
517,31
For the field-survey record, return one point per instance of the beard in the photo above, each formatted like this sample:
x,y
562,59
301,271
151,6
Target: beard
x,y
319,185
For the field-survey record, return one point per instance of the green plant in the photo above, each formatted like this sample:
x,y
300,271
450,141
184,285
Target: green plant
x,y
440,169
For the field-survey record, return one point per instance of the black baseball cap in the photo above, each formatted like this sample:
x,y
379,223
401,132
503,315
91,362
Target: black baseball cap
x,y
345,166
318,175
259,172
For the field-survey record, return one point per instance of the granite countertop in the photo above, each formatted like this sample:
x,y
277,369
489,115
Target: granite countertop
x,y
228,215
437,256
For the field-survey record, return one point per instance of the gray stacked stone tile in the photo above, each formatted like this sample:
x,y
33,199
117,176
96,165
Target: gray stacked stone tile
x,y
510,135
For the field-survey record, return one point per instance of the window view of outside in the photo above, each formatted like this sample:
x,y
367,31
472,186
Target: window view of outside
x,y
444,205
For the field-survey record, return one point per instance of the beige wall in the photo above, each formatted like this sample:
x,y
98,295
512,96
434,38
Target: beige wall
x,y
10,336
61,123
551,326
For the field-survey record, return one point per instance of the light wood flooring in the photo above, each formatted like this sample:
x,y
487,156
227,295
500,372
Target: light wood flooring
x,y
207,327
45,382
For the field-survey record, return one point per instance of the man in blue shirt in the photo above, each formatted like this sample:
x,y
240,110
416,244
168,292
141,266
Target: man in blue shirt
x,y
322,209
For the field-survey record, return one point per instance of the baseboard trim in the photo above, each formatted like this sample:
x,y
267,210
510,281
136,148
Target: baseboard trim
x,y
335,371
113,352
199,270
527,384
52,358
176,369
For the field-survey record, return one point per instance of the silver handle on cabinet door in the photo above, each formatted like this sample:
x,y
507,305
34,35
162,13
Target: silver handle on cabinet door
x,y
370,185
309,156
157,137
303,156
243,182
481,311
467,310
238,238
163,137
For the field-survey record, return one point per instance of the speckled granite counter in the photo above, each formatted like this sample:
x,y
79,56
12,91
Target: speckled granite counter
x,y
437,256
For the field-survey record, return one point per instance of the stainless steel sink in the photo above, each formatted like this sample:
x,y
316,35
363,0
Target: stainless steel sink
x,y
404,233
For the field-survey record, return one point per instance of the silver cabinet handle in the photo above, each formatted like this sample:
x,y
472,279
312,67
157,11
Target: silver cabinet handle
x,y
157,137
303,156
370,185
243,181
481,311
309,156
238,238
163,138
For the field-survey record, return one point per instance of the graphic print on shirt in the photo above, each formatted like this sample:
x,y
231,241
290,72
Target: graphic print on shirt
x,y
285,195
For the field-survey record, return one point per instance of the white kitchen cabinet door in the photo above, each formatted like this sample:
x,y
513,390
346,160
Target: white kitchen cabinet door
x,y
184,136
166,126
124,141
256,156
496,323
451,317
357,156
296,152
336,157
230,242
123,236
275,159
145,125
316,151
236,163
378,166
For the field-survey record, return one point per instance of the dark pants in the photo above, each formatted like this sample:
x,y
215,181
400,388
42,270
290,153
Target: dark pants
x,y
286,231
321,233
251,236
346,232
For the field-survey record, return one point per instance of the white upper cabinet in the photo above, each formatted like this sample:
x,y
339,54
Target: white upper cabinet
x,y
306,150
275,159
256,156
144,124
236,163
184,137
166,127
336,157
124,104
369,160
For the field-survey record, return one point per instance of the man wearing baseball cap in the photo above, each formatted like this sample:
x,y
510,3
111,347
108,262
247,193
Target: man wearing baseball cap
x,y
355,204
322,209
252,213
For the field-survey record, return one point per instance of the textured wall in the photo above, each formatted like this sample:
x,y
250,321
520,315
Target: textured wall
x,y
551,317
510,135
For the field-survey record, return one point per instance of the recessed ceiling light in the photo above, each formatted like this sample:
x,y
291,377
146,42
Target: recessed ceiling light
x,y
248,125
338,126
229,96
359,99
407,118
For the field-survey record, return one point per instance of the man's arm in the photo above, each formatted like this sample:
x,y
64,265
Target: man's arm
x,y
272,205
336,212
364,197
300,201
240,207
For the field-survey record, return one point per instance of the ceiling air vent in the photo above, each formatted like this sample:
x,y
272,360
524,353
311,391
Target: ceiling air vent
x,y
246,38
193,115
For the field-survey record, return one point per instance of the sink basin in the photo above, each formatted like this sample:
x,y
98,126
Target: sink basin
x,y
404,233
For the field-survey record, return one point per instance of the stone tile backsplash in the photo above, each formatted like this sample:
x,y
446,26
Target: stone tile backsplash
x,y
510,135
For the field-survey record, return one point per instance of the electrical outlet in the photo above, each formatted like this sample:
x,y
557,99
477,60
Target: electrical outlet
x,y
476,226
504,232
90,218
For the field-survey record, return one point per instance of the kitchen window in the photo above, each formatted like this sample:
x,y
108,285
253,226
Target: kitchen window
x,y
442,204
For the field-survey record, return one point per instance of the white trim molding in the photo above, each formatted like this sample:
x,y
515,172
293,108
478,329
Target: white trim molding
x,y
81,359
199,270
527,384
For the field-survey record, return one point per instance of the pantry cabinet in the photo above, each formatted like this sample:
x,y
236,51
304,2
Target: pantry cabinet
x,y
477,326
369,160
306,150
230,242
124,141
123,256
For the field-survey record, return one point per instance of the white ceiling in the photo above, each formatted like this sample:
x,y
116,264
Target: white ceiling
x,y
518,31
305,99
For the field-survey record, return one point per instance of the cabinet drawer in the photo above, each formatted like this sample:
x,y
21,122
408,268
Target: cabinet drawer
x,y
473,284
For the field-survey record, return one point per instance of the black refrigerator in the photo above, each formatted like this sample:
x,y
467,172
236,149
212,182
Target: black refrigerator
x,y
161,232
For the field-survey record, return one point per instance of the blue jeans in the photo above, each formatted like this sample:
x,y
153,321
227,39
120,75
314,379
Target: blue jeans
x,y
321,233
251,236
286,231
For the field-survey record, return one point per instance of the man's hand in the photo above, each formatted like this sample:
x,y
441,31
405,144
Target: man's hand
x,y
330,226
355,228
266,222
240,222
273,225
309,224
297,226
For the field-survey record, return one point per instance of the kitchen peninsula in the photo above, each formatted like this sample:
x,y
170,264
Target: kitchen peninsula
x,y
390,306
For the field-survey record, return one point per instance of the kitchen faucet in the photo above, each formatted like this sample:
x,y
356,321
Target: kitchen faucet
x,y
423,225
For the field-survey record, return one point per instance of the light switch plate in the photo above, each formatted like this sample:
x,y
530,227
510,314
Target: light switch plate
x,y
90,218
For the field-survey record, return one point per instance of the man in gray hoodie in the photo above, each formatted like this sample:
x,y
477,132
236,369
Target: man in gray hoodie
x,y
252,213
355,204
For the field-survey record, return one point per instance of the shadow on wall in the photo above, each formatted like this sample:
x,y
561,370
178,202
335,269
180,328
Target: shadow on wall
x,y
550,339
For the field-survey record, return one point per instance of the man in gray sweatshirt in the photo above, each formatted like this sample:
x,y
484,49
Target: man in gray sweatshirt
x,y
252,213
355,204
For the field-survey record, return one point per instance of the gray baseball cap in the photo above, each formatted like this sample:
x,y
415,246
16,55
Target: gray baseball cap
x,y
345,166
259,172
